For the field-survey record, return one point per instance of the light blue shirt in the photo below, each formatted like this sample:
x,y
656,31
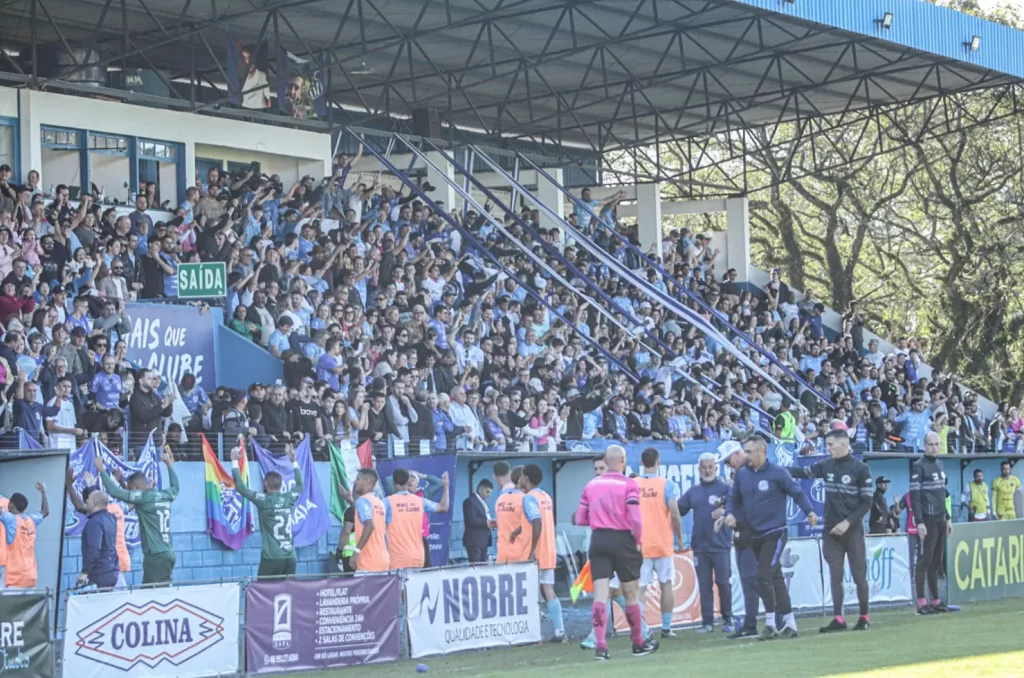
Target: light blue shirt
x,y
280,340
365,510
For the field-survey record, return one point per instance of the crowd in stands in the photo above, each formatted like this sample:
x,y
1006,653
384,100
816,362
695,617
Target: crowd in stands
x,y
397,328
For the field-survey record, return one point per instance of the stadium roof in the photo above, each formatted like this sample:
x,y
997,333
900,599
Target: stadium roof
x,y
597,74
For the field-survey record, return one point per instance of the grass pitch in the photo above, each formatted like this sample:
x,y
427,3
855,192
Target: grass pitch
x,y
982,640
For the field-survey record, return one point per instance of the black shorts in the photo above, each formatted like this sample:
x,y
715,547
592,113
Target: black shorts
x,y
614,552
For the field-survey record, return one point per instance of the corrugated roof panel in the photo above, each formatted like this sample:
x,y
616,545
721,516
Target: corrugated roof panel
x,y
916,24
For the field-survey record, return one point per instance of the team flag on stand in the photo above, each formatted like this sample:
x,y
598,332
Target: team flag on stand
x,y
228,513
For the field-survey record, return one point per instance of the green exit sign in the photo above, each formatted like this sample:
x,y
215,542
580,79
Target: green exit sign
x,y
200,281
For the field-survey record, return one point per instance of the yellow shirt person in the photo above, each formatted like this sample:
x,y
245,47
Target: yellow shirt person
x,y
977,496
1003,489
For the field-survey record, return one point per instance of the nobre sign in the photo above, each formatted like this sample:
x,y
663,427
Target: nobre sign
x,y
472,607
201,281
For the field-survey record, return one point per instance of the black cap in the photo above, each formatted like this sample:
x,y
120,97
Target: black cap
x,y
882,479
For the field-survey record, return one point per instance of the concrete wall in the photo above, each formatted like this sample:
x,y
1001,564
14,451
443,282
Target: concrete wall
x,y
61,167
35,108
110,173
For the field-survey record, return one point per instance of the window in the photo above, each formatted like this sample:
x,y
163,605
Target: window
x,y
8,145
60,138
156,149
106,142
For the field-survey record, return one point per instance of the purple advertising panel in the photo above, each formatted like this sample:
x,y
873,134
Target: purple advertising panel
x,y
311,624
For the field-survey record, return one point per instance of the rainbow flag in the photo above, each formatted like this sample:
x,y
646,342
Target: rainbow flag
x,y
228,514
584,582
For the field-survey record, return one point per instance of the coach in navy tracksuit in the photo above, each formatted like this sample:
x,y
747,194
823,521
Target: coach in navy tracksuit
x,y
760,490
710,548
733,455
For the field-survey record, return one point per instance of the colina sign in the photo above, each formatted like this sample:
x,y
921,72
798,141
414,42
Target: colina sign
x,y
150,634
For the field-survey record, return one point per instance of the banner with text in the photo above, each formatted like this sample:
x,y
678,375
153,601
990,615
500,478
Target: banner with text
x,y
985,561
802,569
685,592
429,470
174,340
308,625
310,517
888,573
25,647
469,608
177,632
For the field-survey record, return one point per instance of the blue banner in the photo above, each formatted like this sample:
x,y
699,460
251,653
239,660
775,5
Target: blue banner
x,y
27,442
815,492
310,517
677,465
82,463
175,341
429,470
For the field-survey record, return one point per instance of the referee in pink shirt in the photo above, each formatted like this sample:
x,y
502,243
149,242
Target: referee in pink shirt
x,y
610,505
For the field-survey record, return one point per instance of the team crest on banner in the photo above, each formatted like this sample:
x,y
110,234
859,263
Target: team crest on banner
x,y
82,463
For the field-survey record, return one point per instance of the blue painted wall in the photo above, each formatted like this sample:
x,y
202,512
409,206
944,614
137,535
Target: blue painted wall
x,y
241,362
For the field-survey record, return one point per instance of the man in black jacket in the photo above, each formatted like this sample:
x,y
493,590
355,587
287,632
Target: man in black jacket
x,y
275,416
579,405
376,425
928,499
145,405
423,427
881,521
476,514
848,492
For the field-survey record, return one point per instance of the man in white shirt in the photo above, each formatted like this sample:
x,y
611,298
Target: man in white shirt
x,y
64,427
467,354
874,356
467,426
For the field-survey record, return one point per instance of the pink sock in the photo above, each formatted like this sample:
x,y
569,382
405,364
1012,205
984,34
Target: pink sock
x,y
840,619
599,616
634,616
936,602
921,602
864,617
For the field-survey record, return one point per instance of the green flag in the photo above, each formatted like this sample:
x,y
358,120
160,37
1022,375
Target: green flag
x,y
344,467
